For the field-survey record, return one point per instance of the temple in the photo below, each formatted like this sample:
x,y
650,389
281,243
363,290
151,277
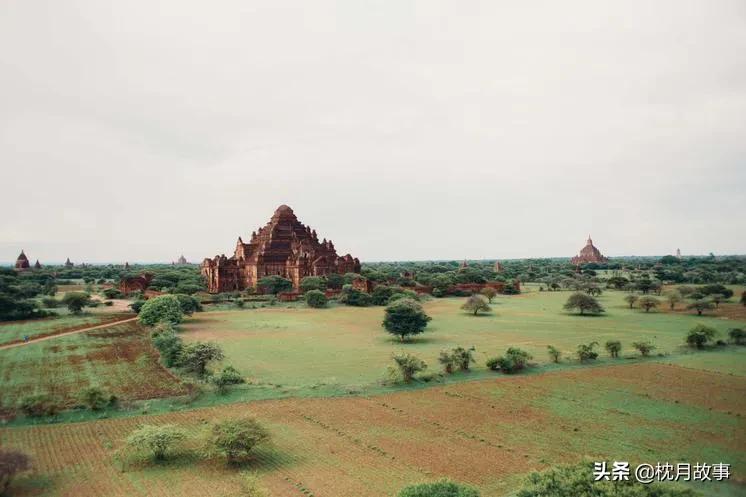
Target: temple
x,y
587,254
22,262
283,247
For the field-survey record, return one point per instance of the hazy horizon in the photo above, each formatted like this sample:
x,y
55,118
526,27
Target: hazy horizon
x,y
402,130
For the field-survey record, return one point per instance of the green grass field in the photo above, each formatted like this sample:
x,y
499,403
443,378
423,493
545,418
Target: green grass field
x,y
297,346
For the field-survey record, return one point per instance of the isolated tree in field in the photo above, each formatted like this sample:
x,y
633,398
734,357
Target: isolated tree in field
x,y
225,379
463,357
157,440
583,303
489,292
408,365
312,283
275,284
12,462
644,347
737,336
647,302
442,488
631,300
161,309
76,301
700,335
315,299
404,318
614,347
700,306
514,360
673,297
554,353
578,481
586,352
475,304
447,360
236,438
195,356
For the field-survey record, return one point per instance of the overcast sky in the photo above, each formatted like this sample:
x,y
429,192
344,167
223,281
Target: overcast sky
x,y
402,130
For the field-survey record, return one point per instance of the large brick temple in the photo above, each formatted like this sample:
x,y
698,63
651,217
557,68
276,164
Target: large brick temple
x,y
283,247
589,253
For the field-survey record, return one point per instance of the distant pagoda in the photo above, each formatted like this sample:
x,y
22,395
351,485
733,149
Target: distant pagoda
x,y
588,254
37,265
182,260
22,262
68,263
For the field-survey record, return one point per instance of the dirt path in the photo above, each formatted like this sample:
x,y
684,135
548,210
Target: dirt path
x,y
65,333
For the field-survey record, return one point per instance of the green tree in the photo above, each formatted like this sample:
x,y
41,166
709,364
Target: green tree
x,y
700,335
475,304
76,301
195,356
489,292
94,398
228,377
168,343
717,298
275,284
312,283
112,293
407,365
158,440
463,357
673,297
382,293
586,352
554,353
644,347
447,360
631,300
38,405
737,336
700,306
12,462
514,360
404,318
647,303
189,304
164,308
236,438
334,281
614,347
442,488
315,299
354,297
584,303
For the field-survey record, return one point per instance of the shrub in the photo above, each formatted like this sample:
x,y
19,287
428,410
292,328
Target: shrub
x,y
315,299
382,293
403,294
586,352
644,347
554,353
136,306
614,347
164,308
226,378
189,305
168,343
631,300
648,303
235,438
76,301
195,356
700,335
513,361
407,365
737,336
12,462
463,357
50,302
446,359
275,284
405,317
700,305
312,283
476,303
36,406
354,297
442,488
158,440
112,293
94,398
584,303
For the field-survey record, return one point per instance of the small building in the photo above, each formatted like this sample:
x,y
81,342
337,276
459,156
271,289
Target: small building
x,y
588,254
69,264
22,263
182,260
37,265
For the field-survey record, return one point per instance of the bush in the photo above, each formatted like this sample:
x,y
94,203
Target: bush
x,y
195,356
644,347
235,438
12,462
168,343
136,306
354,297
36,406
737,336
189,305
554,353
94,398
315,299
476,303
587,352
164,308
312,283
584,303
407,365
50,302
442,488
700,335
614,347
382,293
158,440
226,378
403,294
458,357
700,305
513,361
76,301
405,317
112,293
647,302
275,284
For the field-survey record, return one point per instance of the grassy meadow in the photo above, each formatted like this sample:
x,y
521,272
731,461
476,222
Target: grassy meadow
x,y
297,346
